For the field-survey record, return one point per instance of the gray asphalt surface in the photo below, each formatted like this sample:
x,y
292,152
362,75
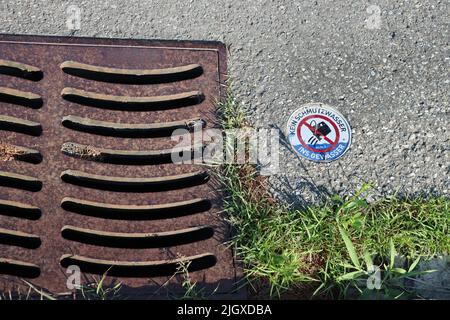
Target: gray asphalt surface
x,y
389,75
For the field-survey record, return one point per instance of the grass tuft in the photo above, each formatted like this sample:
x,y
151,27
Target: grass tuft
x,y
289,248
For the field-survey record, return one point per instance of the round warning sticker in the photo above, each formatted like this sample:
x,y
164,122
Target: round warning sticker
x,y
319,133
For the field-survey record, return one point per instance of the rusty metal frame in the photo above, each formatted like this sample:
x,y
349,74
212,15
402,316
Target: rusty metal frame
x,y
44,191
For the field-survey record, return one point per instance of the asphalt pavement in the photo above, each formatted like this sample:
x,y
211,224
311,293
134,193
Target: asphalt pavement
x,y
383,64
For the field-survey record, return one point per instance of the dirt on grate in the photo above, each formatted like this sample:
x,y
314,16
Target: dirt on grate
x,y
82,152
8,152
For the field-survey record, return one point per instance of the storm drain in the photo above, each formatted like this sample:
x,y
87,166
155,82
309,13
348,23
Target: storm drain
x,y
86,174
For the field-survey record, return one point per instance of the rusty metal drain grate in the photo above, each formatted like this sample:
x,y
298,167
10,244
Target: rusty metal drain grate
x,y
85,171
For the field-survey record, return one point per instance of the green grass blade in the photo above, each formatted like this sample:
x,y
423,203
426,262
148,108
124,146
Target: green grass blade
x,y
350,248
414,264
351,275
393,253
368,259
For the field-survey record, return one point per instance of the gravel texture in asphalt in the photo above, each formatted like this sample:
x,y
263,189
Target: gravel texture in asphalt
x,y
383,64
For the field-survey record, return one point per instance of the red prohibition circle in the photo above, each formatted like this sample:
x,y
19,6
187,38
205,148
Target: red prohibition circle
x,y
333,143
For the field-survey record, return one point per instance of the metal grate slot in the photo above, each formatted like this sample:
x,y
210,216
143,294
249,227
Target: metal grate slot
x,y
131,76
138,268
22,98
19,181
129,130
19,210
19,268
19,239
10,152
21,70
151,157
124,184
135,212
20,125
137,240
129,103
